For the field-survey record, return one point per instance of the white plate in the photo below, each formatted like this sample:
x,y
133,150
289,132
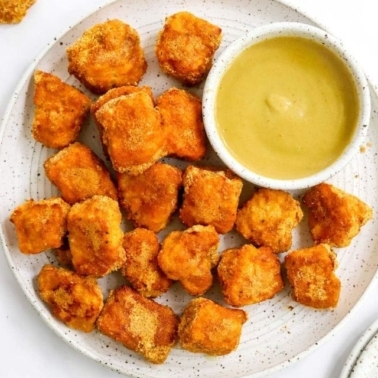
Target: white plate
x,y
279,331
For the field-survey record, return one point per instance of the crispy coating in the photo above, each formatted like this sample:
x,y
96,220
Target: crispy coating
x,y
207,327
151,197
249,275
188,256
335,217
106,56
132,132
142,269
73,299
140,324
60,111
79,174
310,272
63,254
181,114
95,236
268,218
40,225
13,11
211,197
185,47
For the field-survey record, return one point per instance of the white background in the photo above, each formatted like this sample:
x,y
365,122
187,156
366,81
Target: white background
x,y
28,348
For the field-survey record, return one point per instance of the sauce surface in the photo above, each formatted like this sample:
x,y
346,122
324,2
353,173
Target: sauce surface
x,y
286,107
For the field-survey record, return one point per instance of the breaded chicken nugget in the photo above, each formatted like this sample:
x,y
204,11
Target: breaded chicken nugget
x,y
335,217
140,324
207,327
60,111
181,114
268,218
141,268
40,225
132,132
211,197
79,174
185,47
310,272
249,275
73,299
95,236
151,197
13,11
188,256
107,55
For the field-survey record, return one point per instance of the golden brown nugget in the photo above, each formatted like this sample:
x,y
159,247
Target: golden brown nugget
x,y
60,111
79,174
140,324
334,216
188,256
185,47
40,225
141,268
181,114
95,236
249,275
73,299
151,197
132,132
310,272
13,11
107,55
211,197
268,218
207,327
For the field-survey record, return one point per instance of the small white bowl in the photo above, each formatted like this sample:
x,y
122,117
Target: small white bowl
x,y
259,34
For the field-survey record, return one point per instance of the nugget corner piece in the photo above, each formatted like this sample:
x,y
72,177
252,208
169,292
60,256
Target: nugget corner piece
x,y
95,236
335,217
107,55
40,225
249,275
150,198
268,218
185,47
60,111
73,299
13,11
181,114
207,327
139,323
211,197
141,268
310,272
188,256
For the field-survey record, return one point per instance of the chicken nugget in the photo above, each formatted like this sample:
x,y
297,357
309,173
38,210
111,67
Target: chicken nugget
x,y
181,114
268,218
95,236
73,299
151,197
106,56
211,197
141,268
13,11
188,256
140,324
310,272
207,327
79,174
60,111
40,225
248,275
334,216
185,47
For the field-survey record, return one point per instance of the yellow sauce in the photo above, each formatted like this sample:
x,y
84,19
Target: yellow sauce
x,y
287,107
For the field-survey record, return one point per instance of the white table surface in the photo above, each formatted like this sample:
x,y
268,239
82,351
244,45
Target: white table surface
x,y
28,347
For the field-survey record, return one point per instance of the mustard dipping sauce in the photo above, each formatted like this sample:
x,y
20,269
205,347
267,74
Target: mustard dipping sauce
x,y
287,107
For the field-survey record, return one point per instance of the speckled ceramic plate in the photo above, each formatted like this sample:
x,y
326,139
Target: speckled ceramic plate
x,y
279,331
